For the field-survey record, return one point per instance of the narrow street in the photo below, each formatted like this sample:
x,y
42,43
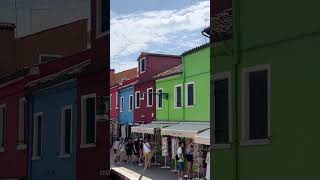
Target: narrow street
x,y
134,171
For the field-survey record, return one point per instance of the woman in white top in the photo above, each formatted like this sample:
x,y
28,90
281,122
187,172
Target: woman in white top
x,y
147,153
208,166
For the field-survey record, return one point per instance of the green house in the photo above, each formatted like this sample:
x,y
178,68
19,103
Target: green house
x,y
266,91
187,88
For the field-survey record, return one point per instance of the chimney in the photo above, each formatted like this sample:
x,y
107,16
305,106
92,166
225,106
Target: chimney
x,y
7,48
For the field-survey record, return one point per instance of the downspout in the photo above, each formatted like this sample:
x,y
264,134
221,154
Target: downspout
x,y
183,90
236,57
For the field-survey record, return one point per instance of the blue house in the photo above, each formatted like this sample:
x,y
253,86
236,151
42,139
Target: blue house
x,y
53,132
126,109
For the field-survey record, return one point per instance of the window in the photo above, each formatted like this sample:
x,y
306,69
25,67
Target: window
x,y
142,65
178,96
110,101
137,99
190,94
117,100
2,126
102,17
149,97
44,58
88,108
159,98
221,108
22,115
66,130
37,136
121,104
256,95
130,103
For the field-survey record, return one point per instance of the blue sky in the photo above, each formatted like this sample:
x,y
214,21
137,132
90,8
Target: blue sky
x,y
158,26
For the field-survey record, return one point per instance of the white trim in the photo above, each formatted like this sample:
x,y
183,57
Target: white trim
x,y
186,94
130,108
217,77
121,104
62,142
175,96
110,102
21,137
48,55
4,126
245,141
35,136
145,67
158,98
83,119
117,100
136,99
148,97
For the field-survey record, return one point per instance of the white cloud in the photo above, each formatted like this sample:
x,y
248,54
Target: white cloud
x,y
132,33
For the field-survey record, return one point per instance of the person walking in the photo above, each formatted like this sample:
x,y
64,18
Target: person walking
x,y
147,153
140,152
189,156
115,148
129,148
136,151
180,166
122,150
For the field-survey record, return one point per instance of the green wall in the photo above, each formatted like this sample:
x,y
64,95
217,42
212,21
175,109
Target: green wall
x,y
196,68
283,35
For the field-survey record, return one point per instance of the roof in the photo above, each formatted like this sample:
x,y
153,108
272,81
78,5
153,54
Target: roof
x,y
185,129
196,49
10,77
173,71
117,78
203,137
63,74
149,128
157,54
222,25
7,26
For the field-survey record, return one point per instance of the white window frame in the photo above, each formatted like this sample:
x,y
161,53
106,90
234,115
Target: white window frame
x,y
110,102
217,77
117,100
22,120
145,67
121,104
99,21
245,129
175,96
137,99
48,55
148,97
4,126
84,144
158,98
130,108
63,154
194,95
35,137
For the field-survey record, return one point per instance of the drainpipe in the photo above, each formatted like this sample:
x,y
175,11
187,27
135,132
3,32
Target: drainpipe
x,y
183,89
236,57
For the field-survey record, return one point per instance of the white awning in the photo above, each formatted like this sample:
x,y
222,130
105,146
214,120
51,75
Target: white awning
x,y
149,128
185,129
203,137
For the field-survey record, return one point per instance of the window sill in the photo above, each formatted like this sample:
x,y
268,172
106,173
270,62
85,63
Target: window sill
x,y
34,158
190,106
149,106
159,108
255,142
221,146
137,107
1,149
177,108
83,146
21,146
64,156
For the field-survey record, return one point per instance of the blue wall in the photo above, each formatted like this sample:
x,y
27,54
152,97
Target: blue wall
x,y
126,116
50,102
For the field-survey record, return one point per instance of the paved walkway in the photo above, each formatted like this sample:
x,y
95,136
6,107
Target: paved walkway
x,y
133,171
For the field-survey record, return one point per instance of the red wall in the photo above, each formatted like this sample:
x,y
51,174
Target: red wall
x,y
144,113
114,113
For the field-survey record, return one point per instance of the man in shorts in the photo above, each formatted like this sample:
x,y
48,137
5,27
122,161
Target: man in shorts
x,y
180,165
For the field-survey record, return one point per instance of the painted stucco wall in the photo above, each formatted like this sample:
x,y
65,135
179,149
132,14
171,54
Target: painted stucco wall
x,y
126,116
196,68
50,102
289,43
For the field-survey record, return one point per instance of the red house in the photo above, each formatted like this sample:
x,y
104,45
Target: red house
x,y
149,65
